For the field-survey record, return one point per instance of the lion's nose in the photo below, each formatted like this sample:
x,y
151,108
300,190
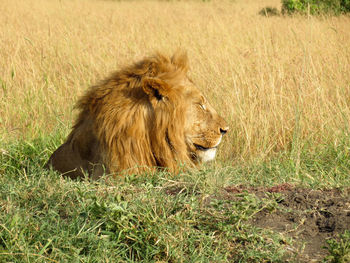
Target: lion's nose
x,y
223,130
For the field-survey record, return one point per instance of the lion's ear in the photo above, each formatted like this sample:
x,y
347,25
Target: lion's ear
x,y
180,60
155,88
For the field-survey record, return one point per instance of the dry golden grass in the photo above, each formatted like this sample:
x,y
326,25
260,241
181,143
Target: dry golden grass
x,y
278,80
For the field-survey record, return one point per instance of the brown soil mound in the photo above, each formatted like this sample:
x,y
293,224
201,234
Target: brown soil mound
x,y
308,216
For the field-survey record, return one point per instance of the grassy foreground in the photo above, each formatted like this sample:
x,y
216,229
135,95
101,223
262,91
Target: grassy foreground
x,y
151,218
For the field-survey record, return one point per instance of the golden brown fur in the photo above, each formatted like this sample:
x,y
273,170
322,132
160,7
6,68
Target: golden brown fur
x,y
145,116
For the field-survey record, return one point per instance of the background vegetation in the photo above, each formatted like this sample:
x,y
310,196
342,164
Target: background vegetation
x,y
282,83
316,7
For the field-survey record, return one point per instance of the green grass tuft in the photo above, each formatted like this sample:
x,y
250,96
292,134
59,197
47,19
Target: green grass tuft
x,y
339,249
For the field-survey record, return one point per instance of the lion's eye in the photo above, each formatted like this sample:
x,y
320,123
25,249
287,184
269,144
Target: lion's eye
x,y
203,107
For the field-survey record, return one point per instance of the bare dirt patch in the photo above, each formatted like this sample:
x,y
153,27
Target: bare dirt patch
x,y
309,217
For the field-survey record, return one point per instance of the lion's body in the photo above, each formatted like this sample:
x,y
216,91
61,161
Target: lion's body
x,y
140,118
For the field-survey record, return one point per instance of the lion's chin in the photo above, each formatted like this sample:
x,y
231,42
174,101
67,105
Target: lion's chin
x,y
207,155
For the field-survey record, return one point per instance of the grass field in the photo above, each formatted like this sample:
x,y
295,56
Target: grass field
x,y
282,83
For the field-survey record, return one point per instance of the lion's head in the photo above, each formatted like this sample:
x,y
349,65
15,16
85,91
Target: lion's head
x,y
145,116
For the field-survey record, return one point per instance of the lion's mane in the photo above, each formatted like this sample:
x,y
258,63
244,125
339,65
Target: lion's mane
x,y
133,131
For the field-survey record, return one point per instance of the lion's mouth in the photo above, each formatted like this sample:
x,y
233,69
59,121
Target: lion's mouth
x,y
202,148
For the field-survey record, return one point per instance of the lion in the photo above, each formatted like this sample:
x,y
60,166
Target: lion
x,y
147,116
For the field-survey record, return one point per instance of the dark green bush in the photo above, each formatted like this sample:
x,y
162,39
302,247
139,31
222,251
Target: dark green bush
x,y
316,7
269,11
